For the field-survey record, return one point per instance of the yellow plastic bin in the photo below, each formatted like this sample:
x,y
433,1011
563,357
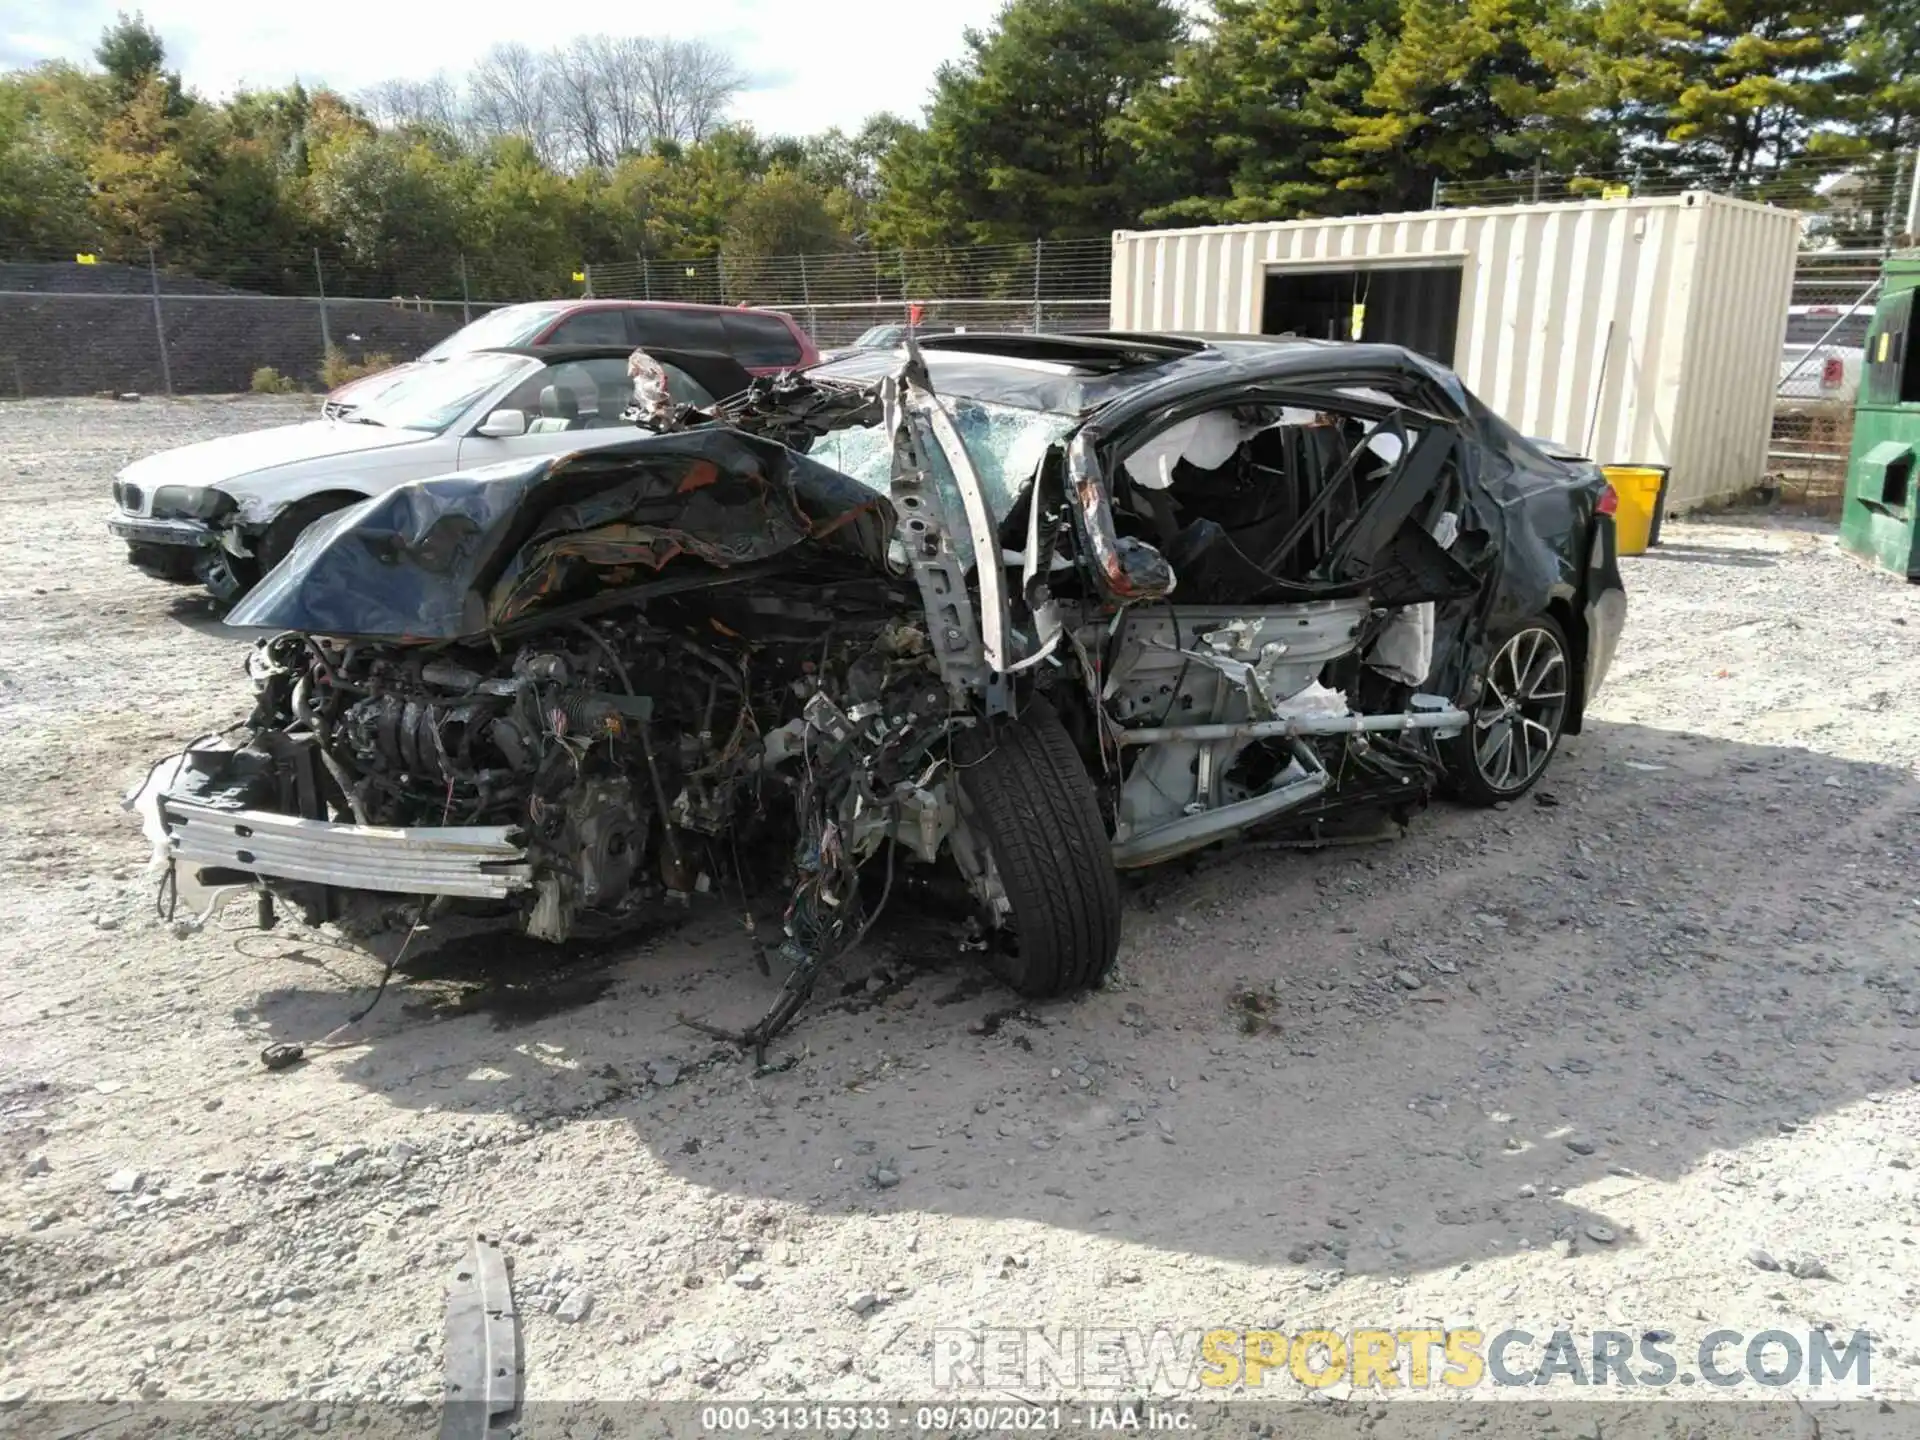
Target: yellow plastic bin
x,y
1642,492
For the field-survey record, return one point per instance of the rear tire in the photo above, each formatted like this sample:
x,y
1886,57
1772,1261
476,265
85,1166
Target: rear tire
x,y
1525,698
290,525
1027,802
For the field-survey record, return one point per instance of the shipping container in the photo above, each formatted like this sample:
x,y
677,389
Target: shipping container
x,y
1640,332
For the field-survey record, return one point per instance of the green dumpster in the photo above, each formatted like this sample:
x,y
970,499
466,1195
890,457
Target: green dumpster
x,y
1881,508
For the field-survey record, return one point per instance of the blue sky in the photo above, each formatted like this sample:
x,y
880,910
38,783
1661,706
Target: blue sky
x,y
812,65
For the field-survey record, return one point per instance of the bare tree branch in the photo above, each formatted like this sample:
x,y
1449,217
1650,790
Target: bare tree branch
x,y
687,89
510,93
588,102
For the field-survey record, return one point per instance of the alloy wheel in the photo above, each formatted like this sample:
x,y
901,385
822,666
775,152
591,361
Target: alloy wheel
x,y
1522,706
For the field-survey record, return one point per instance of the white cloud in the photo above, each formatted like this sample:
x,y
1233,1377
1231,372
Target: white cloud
x,y
814,65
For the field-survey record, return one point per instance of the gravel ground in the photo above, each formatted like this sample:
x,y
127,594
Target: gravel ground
x,y
1602,1060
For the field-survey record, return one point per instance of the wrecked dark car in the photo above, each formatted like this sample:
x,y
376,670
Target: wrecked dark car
x,y
1015,610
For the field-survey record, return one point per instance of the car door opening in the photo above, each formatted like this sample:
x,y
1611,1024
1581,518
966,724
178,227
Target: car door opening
x,y
1417,306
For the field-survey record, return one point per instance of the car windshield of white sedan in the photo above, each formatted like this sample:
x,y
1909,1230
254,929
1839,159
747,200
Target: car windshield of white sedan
x,y
1004,442
513,325
437,395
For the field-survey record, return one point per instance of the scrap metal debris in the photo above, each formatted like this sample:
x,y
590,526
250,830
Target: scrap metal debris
x,y
483,1344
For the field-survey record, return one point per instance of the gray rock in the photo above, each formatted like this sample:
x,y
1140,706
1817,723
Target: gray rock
x,y
1600,1233
577,1306
749,1277
1809,1267
863,1302
1527,1192
14,1394
1407,980
1761,1260
885,1179
663,1072
1580,1145
37,1165
126,1182
353,1153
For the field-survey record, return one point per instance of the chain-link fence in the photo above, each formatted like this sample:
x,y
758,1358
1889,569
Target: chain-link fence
x,y
1044,285
82,325
1864,205
1834,292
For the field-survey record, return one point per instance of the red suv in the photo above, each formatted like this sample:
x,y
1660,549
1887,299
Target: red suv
x,y
763,341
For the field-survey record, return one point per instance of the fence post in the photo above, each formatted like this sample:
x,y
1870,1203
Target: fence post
x,y
159,325
1913,199
720,275
466,304
586,285
646,281
806,297
1039,249
320,280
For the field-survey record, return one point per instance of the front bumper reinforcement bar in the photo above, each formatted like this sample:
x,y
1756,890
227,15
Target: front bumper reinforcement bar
x,y
471,860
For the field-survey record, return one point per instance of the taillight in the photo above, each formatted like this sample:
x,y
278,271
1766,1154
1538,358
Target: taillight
x,y
1832,374
1608,501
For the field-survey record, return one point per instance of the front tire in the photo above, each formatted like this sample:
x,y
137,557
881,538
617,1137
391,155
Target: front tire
x,y
1036,852
290,525
1517,719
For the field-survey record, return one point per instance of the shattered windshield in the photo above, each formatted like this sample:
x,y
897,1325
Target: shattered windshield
x,y
1004,441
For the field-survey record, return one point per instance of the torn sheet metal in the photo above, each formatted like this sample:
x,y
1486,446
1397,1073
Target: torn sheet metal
x,y
1404,650
1128,569
482,1343
462,555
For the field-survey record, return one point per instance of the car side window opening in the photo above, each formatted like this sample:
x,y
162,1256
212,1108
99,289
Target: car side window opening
x,y
590,394
676,329
757,339
1250,502
591,327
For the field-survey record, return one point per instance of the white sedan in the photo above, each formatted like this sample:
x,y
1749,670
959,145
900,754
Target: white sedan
x,y
225,511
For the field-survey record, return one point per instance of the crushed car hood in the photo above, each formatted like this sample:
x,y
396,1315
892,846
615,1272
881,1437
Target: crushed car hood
x,y
464,555
233,457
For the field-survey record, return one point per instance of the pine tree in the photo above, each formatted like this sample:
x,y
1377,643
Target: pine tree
x,y
1020,138
1762,75
1447,99
1249,120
